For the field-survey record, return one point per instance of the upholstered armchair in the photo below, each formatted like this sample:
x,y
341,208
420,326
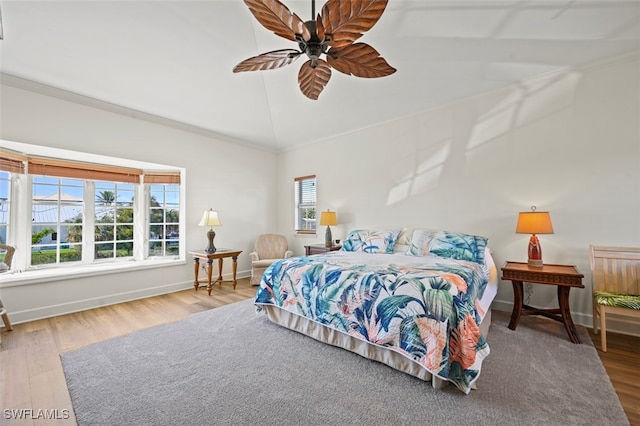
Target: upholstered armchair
x,y
268,248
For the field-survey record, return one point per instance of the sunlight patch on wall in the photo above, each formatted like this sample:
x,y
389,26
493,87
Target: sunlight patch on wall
x,y
426,176
492,125
547,95
529,101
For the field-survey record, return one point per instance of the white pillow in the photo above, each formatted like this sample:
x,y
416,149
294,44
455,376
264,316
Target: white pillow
x,y
421,242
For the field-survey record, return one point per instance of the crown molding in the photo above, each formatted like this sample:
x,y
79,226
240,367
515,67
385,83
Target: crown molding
x,y
65,95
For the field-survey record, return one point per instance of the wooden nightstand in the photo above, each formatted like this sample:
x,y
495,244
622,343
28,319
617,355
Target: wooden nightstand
x,y
220,254
320,248
563,276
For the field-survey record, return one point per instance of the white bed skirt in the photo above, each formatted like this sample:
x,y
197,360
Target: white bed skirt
x,y
366,349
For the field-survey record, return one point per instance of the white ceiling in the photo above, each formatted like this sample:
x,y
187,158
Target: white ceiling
x,y
174,59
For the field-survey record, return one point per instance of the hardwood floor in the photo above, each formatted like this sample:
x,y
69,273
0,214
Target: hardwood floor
x,y
622,362
31,376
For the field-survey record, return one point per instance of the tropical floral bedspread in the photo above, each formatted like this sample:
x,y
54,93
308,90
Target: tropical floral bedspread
x,y
424,309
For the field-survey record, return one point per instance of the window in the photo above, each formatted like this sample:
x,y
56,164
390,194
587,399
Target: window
x,y
56,209
4,205
305,198
78,213
113,220
164,220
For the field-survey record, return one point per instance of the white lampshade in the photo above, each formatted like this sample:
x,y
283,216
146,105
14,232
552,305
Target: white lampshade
x,y
210,218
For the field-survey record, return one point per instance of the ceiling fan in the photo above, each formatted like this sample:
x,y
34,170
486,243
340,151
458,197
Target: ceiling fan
x,y
331,33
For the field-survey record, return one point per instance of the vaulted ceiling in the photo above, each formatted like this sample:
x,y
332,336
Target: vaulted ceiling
x,y
174,59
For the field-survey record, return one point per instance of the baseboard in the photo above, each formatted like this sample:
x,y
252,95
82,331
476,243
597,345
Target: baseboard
x,y
614,324
49,311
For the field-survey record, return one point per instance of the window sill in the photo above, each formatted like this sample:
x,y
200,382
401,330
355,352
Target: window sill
x,y
12,279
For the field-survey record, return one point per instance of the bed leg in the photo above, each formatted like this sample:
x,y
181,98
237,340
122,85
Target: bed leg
x,y
437,382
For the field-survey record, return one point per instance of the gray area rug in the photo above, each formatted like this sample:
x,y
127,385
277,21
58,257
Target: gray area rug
x,y
232,366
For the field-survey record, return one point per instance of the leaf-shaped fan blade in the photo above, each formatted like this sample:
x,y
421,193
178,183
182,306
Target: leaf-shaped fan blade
x,y
345,21
277,17
268,61
319,28
312,80
359,59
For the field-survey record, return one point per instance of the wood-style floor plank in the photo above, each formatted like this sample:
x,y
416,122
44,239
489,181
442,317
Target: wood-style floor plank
x,y
622,361
31,376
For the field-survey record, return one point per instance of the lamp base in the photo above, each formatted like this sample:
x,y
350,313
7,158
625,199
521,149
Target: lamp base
x,y
535,263
211,248
534,252
327,238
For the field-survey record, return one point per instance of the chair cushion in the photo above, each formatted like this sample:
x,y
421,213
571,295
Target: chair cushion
x,y
619,300
263,262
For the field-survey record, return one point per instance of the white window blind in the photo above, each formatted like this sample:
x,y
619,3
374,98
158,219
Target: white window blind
x,y
305,198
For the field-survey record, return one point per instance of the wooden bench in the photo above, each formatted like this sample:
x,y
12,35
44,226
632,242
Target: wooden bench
x,y
615,275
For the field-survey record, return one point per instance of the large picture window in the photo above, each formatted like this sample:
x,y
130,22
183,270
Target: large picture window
x,y
81,213
305,199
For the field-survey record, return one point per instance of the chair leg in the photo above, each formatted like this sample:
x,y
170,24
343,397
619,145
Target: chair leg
x,y
603,327
595,317
7,322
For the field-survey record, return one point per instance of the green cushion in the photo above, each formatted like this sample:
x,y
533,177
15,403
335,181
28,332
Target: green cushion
x,y
629,301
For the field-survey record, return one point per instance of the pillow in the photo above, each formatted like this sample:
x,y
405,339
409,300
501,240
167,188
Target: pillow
x,y
421,242
458,246
371,241
3,267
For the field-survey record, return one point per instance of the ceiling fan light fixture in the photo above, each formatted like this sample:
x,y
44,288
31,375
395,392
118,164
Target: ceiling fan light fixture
x,y
332,33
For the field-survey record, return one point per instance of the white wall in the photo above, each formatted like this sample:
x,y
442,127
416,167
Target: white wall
x,y
567,142
232,178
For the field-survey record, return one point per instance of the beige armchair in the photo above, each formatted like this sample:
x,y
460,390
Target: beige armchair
x,y
268,248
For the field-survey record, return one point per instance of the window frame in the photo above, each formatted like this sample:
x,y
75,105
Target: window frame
x,y
166,188
302,201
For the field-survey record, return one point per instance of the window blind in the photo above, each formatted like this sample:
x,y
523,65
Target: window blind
x,y
305,198
80,170
162,177
11,161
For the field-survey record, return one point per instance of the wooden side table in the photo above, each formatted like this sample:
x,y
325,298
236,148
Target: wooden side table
x,y
220,254
562,276
320,248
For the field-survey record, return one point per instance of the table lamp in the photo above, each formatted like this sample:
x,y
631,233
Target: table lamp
x,y
533,223
210,219
328,219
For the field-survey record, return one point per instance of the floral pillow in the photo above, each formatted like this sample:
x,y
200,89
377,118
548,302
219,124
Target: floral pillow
x,y
458,246
421,242
371,241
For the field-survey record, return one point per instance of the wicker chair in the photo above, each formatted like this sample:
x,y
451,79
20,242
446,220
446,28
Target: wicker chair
x,y
268,248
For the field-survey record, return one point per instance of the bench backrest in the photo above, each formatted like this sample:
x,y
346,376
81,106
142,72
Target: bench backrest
x,y
615,269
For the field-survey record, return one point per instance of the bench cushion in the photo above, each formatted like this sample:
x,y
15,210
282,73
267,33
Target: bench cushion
x,y
617,299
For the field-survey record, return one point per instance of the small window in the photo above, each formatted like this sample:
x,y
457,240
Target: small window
x,y
305,196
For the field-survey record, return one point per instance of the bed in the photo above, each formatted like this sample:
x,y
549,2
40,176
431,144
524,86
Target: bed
x,y
417,300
